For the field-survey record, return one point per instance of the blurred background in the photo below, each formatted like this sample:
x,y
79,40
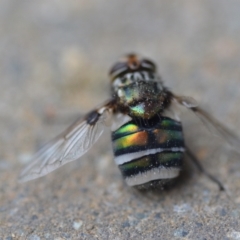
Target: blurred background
x,y
55,58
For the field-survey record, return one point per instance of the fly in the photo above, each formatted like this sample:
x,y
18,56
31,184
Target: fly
x,y
148,144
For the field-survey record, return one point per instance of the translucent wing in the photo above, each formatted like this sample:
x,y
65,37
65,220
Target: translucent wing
x,y
70,145
210,121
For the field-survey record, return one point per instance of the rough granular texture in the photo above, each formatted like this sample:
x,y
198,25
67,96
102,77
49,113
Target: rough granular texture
x,y
55,57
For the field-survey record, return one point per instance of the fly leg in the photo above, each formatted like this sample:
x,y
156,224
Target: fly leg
x,y
202,170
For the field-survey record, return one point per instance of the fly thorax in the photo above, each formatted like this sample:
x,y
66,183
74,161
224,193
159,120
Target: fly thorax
x,y
142,99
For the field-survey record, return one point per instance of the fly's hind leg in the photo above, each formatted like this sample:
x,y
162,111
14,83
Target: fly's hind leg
x,y
202,170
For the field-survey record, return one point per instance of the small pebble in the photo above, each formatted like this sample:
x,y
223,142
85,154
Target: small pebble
x,y
89,227
180,233
126,224
77,224
223,212
234,235
182,208
34,237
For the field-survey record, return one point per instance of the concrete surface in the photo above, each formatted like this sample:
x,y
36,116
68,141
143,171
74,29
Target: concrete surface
x,y
55,57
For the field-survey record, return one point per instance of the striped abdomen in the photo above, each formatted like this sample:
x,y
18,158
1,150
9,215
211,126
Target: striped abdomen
x,y
149,155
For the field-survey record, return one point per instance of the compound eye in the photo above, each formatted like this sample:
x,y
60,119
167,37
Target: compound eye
x,y
147,64
117,69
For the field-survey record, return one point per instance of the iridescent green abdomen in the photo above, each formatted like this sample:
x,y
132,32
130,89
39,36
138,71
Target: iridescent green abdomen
x,y
149,152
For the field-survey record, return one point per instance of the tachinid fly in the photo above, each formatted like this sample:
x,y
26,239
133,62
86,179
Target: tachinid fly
x,y
148,144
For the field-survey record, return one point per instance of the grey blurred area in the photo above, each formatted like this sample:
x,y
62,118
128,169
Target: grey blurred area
x,y
54,62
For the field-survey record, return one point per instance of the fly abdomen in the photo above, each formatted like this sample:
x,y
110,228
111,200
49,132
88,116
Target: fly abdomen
x,y
149,154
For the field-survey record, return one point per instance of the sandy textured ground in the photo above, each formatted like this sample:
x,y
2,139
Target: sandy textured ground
x,y
55,57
